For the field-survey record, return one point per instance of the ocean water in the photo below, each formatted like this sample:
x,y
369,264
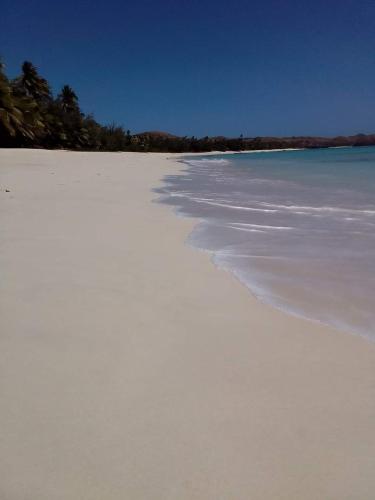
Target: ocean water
x,y
296,227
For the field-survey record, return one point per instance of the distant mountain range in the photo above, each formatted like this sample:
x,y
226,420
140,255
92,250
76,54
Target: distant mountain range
x,y
163,141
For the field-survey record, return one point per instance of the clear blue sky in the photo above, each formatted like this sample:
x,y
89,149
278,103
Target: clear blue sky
x,y
205,67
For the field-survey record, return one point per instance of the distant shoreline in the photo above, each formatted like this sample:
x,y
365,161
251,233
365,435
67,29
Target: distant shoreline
x,y
214,153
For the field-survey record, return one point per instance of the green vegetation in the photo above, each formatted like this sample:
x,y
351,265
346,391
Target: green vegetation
x,y
30,116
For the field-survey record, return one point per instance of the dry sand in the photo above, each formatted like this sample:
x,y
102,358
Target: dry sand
x,y
131,368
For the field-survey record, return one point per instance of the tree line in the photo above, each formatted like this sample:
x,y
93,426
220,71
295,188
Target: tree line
x,y
31,116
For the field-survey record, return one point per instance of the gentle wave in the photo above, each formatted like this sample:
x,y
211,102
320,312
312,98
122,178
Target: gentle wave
x,y
233,207
247,230
212,161
318,209
297,229
262,226
211,201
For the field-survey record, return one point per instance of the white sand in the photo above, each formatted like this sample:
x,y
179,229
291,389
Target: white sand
x,y
131,368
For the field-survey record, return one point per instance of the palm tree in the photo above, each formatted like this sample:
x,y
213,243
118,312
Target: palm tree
x,y
10,116
68,99
12,119
31,84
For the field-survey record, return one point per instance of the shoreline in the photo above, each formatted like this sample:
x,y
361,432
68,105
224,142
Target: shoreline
x,y
253,288
217,153
134,367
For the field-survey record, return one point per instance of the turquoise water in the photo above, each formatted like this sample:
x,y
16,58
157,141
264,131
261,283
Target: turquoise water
x,y
296,227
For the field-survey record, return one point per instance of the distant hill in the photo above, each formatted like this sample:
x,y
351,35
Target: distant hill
x,y
310,141
162,141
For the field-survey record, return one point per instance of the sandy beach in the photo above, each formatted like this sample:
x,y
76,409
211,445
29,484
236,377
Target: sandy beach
x,y
132,368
